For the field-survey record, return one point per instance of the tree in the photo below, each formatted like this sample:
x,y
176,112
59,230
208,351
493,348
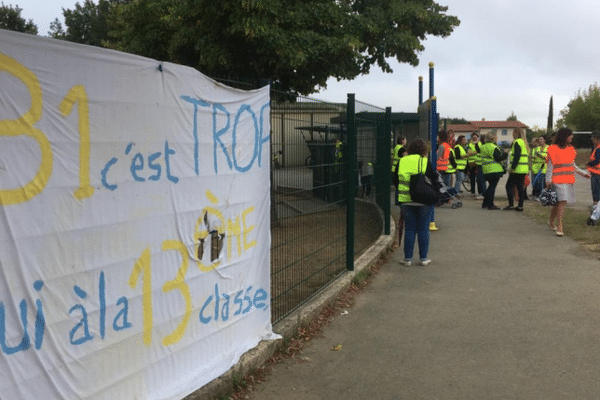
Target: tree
x,y
512,117
56,30
583,112
89,23
10,19
456,121
298,44
550,118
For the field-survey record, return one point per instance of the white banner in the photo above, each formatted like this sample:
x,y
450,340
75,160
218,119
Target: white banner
x,y
134,223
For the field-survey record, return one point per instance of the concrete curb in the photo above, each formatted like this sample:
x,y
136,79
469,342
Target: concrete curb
x,y
287,327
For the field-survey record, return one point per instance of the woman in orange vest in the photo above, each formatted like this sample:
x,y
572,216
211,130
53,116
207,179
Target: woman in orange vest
x,y
443,166
594,167
561,173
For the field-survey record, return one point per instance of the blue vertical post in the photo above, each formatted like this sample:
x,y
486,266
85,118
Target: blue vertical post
x,y
430,79
420,90
433,128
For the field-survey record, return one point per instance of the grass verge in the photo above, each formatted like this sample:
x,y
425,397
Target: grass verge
x,y
574,225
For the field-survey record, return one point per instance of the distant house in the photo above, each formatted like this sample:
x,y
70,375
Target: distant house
x,y
502,128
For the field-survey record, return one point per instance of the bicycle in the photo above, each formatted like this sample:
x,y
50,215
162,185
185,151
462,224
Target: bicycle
x,y
466,183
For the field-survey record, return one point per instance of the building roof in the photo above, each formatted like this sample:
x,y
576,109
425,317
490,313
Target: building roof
x,y
462,128
498,124
474,126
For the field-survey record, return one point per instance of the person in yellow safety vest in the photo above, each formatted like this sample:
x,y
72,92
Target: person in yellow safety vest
x,y
593,166
367,178
539,167
518,169
338,151
491,157
474,166
398,152
561,174
416,215
461,158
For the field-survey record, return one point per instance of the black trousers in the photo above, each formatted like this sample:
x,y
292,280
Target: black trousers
x,y
515,181
490,192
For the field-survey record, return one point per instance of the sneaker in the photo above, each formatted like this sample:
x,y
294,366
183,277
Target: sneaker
x,y
425,261
591,222
432,226
406,262
508,208
518,208
479,197
493,208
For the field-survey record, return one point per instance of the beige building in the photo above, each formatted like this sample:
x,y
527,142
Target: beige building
x,y
502,128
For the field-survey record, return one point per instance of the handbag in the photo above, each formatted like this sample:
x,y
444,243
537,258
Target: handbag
x,y
548,197
421,190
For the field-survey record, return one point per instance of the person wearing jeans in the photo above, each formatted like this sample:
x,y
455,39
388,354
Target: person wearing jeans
x,y
416,226
417,216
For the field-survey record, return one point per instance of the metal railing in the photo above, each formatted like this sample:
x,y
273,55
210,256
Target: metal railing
x,y
330,191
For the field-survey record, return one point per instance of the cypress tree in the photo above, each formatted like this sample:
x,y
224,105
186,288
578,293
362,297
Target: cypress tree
x,y
550,119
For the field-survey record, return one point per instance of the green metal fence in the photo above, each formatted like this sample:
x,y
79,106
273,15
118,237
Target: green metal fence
x,y
325,206
330,191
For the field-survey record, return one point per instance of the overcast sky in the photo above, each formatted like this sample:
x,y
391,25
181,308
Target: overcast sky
x,y
506,56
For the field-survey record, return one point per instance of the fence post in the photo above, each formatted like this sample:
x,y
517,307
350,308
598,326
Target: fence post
x,y
387,175
352,179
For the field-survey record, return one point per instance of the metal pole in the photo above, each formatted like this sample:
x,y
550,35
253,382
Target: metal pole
x,y
387,175
420,90
433,128
430,79
352,178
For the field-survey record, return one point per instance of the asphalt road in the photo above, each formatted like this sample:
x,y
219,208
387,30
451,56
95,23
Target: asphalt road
x,y
505,310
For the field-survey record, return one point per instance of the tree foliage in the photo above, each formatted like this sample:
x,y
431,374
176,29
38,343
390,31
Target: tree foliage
x,y
512,117
10,19
298,44
583,112
455,121
89,23
550,118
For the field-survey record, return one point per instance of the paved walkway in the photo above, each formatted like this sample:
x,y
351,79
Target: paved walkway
x,y
506,310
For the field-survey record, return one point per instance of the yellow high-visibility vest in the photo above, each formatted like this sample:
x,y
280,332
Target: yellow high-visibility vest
x,y
408,166
461,163
488,164
523,165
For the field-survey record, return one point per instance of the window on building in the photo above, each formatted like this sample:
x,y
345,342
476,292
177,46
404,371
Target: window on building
x,y
504,132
